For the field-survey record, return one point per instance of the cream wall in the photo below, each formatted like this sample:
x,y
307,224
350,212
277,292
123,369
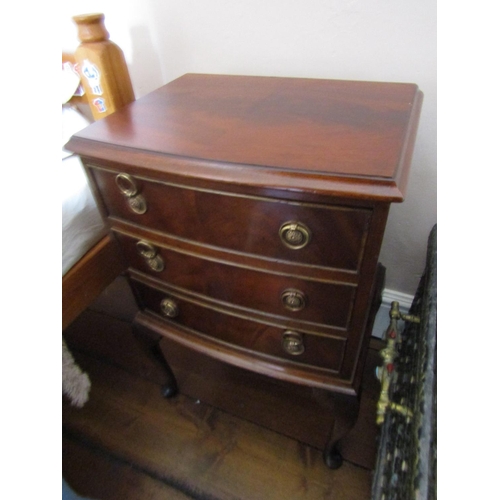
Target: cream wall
x,y
383,40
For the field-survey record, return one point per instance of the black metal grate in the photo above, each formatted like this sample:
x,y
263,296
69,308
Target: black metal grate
x,y
407,454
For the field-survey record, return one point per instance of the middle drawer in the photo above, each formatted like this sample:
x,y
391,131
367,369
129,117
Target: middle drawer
x,y
303,300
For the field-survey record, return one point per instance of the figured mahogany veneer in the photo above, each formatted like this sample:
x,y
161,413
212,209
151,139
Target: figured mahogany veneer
x,y
258,206
215,218
326,303
348,138
242,332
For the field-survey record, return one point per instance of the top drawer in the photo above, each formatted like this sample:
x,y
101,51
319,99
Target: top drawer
x,y
319,235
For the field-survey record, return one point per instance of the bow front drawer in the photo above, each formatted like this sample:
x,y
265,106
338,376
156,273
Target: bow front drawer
x,y
287,296
319,235
254,336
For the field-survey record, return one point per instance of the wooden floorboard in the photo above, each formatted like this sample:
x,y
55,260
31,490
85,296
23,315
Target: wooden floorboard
x,y
98,474
130,442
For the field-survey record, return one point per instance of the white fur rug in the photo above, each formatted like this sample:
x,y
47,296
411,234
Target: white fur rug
x,y
75,383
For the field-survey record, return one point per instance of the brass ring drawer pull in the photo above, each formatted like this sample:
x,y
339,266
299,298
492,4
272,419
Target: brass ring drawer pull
x,y
169,308
150,254
138,204
294,300
295,235
128,188
293,343
126,185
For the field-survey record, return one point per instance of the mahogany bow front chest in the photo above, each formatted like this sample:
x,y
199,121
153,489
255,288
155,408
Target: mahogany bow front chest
x,y
251,212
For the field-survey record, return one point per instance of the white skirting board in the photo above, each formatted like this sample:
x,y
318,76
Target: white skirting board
x,y
382,319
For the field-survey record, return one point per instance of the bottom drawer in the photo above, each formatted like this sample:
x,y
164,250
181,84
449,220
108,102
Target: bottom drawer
x,y
241,332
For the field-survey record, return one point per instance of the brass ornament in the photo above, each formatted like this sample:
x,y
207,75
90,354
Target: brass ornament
x,y
146,249
150,254
138,204
169,308
294,300
293,343
386,373
295,235
128,188
126,185
156,264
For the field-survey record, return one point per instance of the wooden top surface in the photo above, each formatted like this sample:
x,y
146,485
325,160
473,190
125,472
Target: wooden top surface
x,y
325,128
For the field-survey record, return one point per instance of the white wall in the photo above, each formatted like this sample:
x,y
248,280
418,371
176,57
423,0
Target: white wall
x,y
382,40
